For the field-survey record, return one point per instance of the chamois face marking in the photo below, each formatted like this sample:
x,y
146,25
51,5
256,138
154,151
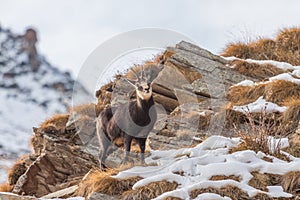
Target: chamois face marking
x,y
144,90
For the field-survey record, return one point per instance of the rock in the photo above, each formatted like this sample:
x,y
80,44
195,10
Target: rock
x,y
11,196
63,160
62,193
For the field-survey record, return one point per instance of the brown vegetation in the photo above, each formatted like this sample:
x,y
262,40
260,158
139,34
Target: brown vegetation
x,y
5,187
90,110
291,182
254,70
222,177
55,124
150,191
102,182
261,181
285,48
278,92
233,192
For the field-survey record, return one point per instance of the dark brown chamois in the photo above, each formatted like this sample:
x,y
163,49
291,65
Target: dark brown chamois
x,y
132,120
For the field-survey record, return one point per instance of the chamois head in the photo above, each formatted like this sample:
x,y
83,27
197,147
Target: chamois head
x,y
142,84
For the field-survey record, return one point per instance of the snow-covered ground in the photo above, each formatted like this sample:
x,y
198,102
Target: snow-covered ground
x,y
198,164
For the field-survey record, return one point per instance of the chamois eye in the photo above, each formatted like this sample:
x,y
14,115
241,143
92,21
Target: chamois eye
x,y
140,88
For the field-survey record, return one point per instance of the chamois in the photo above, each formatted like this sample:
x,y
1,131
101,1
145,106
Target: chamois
x,y
132,120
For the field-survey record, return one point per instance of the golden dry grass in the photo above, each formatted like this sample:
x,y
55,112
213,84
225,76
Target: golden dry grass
x,y
291,116
255,131
261,181
102,182
222,177
288,38
294,141
17,170
291,182
254,70
104,95
241,147
150,191
55,124
90,110
285,48
5,187
278,92
233,192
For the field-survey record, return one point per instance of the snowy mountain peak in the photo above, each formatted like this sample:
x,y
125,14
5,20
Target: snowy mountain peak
x,y
31,89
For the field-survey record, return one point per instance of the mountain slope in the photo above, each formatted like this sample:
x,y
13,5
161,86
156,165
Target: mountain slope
x,y
31,89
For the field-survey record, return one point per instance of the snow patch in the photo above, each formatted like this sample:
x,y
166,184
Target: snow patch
x,y
285,77
211,196
192,168
260,105
245,83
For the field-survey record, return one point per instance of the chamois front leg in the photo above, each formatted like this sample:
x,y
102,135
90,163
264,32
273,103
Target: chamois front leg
x,y
142,144
103,147
127,143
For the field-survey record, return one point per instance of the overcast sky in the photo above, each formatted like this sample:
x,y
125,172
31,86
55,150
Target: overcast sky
x,y
70,30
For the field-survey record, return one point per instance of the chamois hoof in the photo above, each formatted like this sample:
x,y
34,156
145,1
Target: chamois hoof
x,y
143,163
102,167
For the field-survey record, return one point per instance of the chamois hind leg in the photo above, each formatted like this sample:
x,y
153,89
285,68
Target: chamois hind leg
x,y
104,144
127,143
142,144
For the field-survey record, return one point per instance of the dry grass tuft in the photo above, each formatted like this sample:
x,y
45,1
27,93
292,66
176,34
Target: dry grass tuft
x,y
291,182
102,182
292,115
5,187
222,177
150,191
241,147
285,48
17,170
278,92
55,124
233,192
90,110
294,148
289,39
254,70
256,132
261,181
104,94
